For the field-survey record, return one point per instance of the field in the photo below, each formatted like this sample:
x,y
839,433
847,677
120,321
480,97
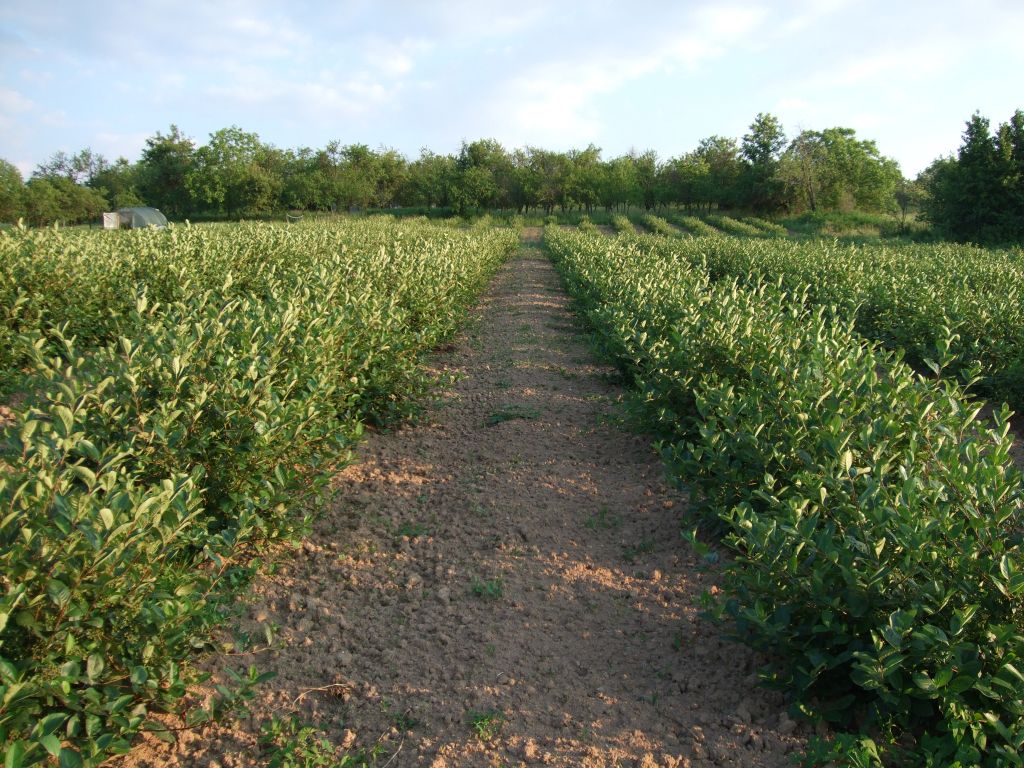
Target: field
x,y
184,403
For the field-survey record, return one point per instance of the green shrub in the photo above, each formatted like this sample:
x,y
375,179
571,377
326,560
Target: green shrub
x,y
735,227
147,471
876,522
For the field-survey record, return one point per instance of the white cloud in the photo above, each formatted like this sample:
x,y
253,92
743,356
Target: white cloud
x,y
554,99
901,65
394,59
13,102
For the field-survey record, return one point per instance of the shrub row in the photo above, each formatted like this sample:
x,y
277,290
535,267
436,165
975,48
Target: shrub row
x,y
659,226
958,307
693,225
876,522
735,226
622,224
766,226
149,470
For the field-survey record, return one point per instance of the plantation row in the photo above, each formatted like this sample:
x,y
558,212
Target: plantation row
x,y
876,523
189,388
956,308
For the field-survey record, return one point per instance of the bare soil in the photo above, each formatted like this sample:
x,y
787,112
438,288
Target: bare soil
x,y
503,583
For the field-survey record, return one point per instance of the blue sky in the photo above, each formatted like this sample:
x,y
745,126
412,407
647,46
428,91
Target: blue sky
x,y
643,75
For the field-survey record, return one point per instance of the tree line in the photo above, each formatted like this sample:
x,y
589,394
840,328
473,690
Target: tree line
x,y
976,195
236,174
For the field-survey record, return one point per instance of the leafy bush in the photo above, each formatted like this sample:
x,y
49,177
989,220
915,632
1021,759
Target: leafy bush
x,y
694,225
623,225
659,226
150,469
876,522
957,306
735,227
766,226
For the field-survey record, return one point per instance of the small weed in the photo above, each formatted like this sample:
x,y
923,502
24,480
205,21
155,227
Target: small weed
x,y
405,721
503,384
603,520
486,725
291,744
510,412
492,589
413,530
480,510
631,552
490,649
565,373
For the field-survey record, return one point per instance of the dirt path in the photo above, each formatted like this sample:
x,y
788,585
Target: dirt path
x,y
504,584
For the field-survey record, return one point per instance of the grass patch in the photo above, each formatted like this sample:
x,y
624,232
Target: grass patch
x,y
491,589
603,520
632,552
510,413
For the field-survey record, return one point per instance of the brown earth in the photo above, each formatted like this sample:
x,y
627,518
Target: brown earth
x,y
503,583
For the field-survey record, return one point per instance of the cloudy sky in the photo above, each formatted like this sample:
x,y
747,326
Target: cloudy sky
x,y
555,74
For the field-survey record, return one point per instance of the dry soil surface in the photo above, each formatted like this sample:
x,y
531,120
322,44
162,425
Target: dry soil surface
x,y
503,583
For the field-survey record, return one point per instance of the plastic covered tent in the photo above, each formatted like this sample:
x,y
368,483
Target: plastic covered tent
x,y
140,217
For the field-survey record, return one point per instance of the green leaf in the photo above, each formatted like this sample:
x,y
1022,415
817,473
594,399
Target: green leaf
x,y
94,667
14,756
107,516
58,592
85,474
51,723
66,418
69,758
51,744
846,461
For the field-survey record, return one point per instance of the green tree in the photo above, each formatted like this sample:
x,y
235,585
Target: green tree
x,y
163,171
583,177
428,181
762,189
117,183
236,174
834,170
12,192
484,176
80,168
58,199
684,179
978,196
620,186
721,184
646,165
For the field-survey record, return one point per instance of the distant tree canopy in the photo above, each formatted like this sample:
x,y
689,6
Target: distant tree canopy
x,y
236,175
978,196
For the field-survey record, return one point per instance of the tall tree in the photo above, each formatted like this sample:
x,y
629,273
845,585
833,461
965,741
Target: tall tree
x,y
163,170
233,174
762,190
978,196
12,192
721,184
834,170
79,168
117,183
